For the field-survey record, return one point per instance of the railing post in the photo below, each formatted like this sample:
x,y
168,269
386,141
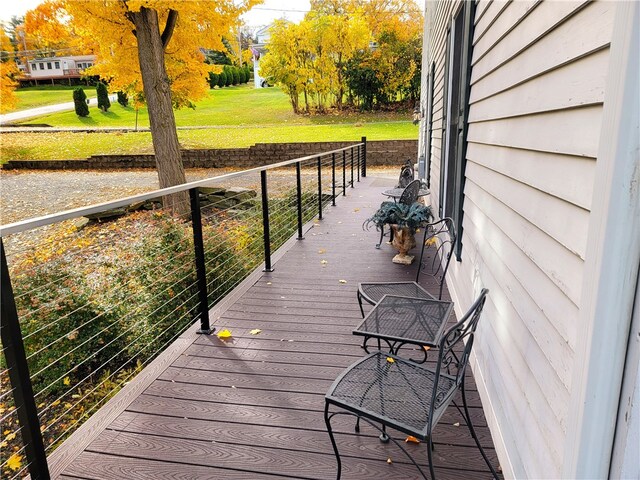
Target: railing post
x,y
265,222
352,185
344,173
19,377
299,200
201,269
358,165
319,188
364,156
333,179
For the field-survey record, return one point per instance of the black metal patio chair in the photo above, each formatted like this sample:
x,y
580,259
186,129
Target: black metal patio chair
x,y
407,175
440,237
409,197
388,391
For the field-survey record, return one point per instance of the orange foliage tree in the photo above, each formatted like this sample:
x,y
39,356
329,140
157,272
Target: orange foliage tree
x,y
8,70
153,47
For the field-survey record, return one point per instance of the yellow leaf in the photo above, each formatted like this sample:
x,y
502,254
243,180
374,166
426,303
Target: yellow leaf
x,y
389,461
10,437
66,381
411,439
427,348
342,281
56,403
224,334
6,432
14,462
321,251
3,444
390,360
356,209
73,335
431,241
255,331
323,262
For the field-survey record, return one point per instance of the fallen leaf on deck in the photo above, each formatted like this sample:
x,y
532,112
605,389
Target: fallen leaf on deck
x,y
411,439
222,334
14,462
342,281
427,348
66,381
323,262
457,424
233,386
268,283
321,251
390,360
356,209
431,241
389,461
255,331
10,437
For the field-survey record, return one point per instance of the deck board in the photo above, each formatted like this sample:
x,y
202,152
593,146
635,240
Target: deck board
x,y
252,407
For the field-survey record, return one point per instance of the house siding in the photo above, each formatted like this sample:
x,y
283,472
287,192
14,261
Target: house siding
x,y
535,111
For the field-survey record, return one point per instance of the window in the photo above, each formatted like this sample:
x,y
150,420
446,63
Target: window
x,y
49,66
34,66
41,66
457,76
57,64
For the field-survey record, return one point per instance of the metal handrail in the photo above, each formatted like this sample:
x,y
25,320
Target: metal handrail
x,y
30,224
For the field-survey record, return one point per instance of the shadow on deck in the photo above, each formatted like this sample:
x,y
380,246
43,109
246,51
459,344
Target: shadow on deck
x,y
252,407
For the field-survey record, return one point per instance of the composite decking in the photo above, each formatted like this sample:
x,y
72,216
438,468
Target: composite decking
x,y
252,407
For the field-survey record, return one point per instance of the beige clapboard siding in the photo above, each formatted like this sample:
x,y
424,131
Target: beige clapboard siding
x,y
553,132
536,441
481,8
569,178
545,392
488,18
585,32
562,221
578,84
507,21
549,281
502,255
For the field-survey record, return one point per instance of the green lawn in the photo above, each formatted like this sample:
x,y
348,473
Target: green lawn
x,y
32,97
236,117
238,106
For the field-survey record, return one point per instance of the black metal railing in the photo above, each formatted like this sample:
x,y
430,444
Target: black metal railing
x,y
92,295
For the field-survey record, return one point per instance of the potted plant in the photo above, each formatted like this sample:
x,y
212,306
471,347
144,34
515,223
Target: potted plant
x,y
404,221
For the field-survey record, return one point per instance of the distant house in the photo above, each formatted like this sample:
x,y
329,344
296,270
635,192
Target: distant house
x,y
529,141
259,49
55,69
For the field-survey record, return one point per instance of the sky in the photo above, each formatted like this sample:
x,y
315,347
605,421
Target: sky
x,y
261,15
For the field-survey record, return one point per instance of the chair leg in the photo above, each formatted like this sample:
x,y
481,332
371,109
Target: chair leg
x,y
327,420
430,455
473,432
360,303
384,438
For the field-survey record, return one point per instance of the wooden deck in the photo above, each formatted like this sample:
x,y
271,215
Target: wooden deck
x,y
252,407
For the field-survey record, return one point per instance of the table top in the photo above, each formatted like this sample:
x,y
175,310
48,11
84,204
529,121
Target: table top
x,y
415,320
397,192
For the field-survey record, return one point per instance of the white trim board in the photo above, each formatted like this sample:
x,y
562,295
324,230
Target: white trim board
x,y
611,261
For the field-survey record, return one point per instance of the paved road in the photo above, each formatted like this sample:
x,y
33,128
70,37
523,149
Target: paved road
x,y
39,111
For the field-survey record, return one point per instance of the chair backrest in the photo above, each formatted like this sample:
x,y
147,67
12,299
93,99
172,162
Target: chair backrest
x,y
410,193
439,239
407,175
453,356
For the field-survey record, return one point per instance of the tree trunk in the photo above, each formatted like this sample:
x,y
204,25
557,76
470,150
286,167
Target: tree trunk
x,y
157,93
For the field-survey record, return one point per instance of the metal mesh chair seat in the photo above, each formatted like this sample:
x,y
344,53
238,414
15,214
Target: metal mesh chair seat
x,y
373,292
397,393
386,390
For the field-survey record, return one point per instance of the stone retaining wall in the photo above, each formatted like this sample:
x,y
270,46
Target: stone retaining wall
x,y
384,152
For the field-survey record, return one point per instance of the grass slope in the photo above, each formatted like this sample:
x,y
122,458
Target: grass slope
x,y
32,97
236,117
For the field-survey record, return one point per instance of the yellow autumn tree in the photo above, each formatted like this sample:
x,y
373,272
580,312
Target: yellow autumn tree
x,y
153,46
8,70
